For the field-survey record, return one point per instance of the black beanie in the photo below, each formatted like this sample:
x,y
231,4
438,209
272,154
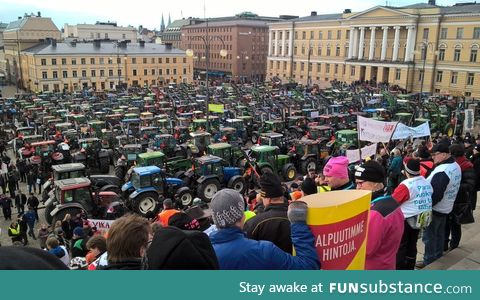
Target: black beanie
x,y
412,167
175,249
27,258
370,171
309,187
271,185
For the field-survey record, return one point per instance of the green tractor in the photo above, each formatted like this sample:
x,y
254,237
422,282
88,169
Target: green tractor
x,y
159,159
308,154
268,159
346,140
125,157
274,139
277,126
234,156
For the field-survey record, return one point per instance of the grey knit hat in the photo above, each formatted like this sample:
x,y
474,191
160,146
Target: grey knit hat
x,y
227,208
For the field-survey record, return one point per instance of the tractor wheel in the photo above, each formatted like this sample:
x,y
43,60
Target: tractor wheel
x,y
238,184
184,196
207,189
146,202
120,172
307,165
48,210
289,172
72,211
104,166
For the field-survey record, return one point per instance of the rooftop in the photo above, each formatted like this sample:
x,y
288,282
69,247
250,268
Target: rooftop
x,y
106,48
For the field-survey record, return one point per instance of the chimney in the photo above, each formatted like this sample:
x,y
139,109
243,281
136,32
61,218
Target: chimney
x,y
122,45
39,14
313,13
96,43
142,44
431,2
347,11
168,46
53,42
73,43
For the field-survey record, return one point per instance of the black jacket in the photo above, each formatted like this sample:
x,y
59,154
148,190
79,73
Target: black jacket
x,y
271,225
133,264
33,202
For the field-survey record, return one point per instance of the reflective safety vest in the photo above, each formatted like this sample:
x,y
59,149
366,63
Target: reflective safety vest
x,y
15,231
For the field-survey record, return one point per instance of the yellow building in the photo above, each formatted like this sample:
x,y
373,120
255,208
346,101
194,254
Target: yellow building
x,y
421,47
102,65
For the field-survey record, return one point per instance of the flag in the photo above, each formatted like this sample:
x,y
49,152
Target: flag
x,y
219,108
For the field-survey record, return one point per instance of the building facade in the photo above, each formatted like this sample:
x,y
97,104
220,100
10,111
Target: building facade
x,y
19,35
102,66
173,33
244,37
99,30
421,47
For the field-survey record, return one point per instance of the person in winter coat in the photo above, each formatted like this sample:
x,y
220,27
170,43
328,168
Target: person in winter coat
x,y
22,221
466,196
79,243
20,201
59,251
272,224
31,182
30,219
6,204
33,202
394,170
476,166
43,234
14,232
3,183
414,195
385,221
336,175
445,180
235,251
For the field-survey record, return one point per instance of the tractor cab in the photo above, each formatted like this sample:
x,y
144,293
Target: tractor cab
x,y
320,132
274,125
347,139
268,159
97,126
273,139
198,142
181,133
24,131
155,158
308,154
198,125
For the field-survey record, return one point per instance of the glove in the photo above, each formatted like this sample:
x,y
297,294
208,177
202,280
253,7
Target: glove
x,y
297,212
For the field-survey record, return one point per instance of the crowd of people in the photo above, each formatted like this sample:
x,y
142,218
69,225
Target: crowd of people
x,y
423,188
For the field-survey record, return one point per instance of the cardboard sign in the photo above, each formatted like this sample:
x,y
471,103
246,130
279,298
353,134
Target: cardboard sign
x,y
339,221
101,225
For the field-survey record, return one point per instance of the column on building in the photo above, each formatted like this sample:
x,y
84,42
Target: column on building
x,y
350,44
410,43
270,32
290,43
371,52
275,44
396,43
361,43
355,43
284,33
383,55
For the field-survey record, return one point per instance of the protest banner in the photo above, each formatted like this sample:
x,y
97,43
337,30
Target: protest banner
x,y
101,225
338,221
404,132
368,151
353,155
216,108
375,131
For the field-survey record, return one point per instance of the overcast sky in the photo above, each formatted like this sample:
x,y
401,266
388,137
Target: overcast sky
x,y
149,12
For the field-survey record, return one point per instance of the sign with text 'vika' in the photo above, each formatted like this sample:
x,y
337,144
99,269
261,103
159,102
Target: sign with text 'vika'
x,y
339,221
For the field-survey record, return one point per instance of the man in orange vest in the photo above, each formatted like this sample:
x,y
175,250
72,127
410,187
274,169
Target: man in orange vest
x,y
167,212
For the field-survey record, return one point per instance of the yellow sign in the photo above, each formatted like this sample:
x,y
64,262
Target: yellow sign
x,y
218,108
338,221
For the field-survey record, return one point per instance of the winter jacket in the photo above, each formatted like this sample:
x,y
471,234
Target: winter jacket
x,y
467,193
385,230
395,166
30,218
235,252
133,264
445,180
15,233
271,225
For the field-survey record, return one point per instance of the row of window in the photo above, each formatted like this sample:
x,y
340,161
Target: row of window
x,y
453,77
456,54
101,73
101,60
426,31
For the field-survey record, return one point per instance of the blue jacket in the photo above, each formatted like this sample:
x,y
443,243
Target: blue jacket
x,y
30,218
236,252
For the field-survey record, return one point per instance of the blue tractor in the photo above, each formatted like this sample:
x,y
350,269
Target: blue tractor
x,y
149,187
211,173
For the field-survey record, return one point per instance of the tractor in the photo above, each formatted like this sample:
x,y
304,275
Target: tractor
x,y
308,154
274,139
75,196
234,156
148,188
125,157
268,159
93,155
168,145
158,158
210,173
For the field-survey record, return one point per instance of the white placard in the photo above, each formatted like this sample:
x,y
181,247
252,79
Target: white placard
x,y
375,131
101,225
353,155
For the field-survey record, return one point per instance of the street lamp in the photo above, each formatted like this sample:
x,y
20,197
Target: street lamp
x,y
425,46
308,63
223,53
